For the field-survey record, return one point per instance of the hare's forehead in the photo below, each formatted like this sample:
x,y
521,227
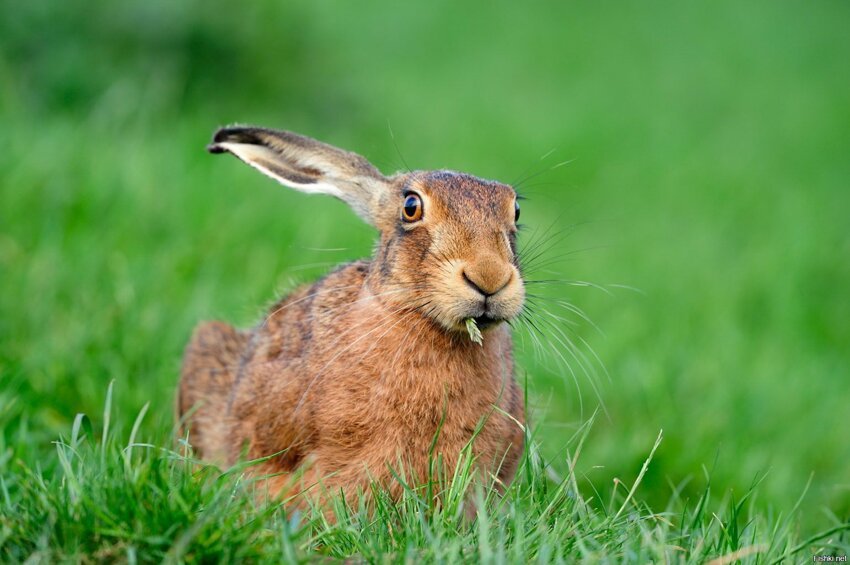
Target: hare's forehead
x,y
460,195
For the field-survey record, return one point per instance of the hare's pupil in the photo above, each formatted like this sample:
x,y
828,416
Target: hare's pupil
x,y
516,212
412,209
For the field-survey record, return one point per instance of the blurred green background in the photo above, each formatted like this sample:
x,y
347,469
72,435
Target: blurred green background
x,y
707,167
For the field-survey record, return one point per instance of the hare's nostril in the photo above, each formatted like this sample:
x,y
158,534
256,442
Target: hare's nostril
x,y
483,289
471,283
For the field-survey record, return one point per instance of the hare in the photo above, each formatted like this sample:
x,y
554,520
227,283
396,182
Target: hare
x,y
371,368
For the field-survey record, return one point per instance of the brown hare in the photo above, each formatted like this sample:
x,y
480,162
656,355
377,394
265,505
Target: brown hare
x,y
357,374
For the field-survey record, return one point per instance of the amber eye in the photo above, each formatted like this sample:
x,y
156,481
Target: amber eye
x,y
411,211
516,212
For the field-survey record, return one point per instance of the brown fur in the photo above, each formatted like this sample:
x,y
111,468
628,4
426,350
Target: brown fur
x,y
356,373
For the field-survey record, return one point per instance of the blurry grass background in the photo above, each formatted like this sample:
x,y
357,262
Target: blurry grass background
x,y
709,168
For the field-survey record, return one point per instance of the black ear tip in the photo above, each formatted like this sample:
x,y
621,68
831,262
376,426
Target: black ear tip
x,y
236,134
232,134
223,134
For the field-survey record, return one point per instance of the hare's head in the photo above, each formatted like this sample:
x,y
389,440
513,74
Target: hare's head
x,y
448,240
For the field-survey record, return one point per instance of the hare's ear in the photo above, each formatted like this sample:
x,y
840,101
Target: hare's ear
x,y
308,165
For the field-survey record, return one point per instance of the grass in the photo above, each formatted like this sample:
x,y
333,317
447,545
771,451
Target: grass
x,y
705,149
120,498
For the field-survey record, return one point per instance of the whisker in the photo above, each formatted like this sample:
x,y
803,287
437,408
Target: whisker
x,y
571,308
525,177
395,145
568,282
550,169
541,260
578,357
566,364
525,171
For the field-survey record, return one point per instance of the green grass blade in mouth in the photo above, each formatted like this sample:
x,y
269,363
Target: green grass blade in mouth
x,y
474,332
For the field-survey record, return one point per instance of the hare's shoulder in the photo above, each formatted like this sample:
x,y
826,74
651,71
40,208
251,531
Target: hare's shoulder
x,y
289,326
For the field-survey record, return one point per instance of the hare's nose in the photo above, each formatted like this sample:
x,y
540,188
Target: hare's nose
x,y
487,277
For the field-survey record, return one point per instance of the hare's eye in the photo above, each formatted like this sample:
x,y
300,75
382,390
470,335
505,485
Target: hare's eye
x,y
516,212
411,211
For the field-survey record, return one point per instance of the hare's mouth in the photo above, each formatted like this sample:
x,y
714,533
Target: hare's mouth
x,y
486,321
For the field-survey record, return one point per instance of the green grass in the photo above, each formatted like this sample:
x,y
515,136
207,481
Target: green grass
x,y
706,147
124,499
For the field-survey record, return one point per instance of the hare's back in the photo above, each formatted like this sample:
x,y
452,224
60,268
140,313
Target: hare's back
x,y
267,407
295,323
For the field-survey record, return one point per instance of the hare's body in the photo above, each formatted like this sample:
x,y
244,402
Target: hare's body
x,y
370,371
352,394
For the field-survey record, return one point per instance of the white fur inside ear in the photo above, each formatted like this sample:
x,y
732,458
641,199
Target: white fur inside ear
x,y
256,155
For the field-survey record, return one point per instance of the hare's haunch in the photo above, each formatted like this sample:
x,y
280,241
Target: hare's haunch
x,y
357,374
